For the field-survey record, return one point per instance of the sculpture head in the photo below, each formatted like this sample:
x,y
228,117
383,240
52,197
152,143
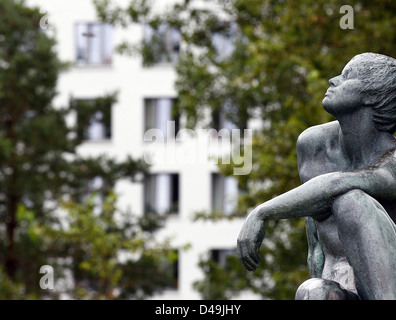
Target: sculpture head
x,y
368,80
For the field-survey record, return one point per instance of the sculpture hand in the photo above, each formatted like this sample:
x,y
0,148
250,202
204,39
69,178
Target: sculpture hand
x,y
249,242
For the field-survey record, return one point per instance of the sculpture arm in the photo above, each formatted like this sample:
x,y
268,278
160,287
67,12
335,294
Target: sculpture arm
x,y
309,199
316,258
314,199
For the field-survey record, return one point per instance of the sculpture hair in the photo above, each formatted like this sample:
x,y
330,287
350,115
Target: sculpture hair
x,y
378,74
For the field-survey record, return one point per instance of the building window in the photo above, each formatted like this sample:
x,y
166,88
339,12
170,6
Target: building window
x,y
97,128
94,44
220,121
220,256
93,119
161,193
224,43
95,190
157,114
160,45
224,194
170,269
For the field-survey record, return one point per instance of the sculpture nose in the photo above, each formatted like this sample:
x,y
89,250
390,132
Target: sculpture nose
x,y
334,81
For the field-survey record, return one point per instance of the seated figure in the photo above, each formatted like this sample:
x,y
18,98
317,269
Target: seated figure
x,y
348,193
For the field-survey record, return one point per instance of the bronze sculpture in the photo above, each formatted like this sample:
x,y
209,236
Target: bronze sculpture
x,y
348,193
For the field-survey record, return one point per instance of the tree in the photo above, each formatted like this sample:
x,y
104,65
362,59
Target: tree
x,y
283,53
39,166
92,238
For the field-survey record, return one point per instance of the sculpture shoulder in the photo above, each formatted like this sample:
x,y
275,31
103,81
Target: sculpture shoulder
x,y
316,138
317,150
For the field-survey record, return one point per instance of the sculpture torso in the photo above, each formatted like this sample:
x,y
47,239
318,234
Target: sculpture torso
x,y
325,156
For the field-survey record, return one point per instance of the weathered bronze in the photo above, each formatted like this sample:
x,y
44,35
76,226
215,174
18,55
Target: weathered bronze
x,y
348,193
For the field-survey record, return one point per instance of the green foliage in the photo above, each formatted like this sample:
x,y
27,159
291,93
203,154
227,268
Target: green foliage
x,y
9,289
94,240
88,241
86,110
284,53
95,236
39,168
279,274
29,69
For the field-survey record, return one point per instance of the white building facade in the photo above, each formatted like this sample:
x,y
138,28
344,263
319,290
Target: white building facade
x,y
183,180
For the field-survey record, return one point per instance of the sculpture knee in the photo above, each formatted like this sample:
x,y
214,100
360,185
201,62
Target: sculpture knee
x,y
352,209
306,290
321,289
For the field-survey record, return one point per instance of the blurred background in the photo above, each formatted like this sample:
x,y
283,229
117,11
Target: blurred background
x,y
94,204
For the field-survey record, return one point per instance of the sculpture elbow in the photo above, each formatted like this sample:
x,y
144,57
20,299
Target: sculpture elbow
x,y
387,182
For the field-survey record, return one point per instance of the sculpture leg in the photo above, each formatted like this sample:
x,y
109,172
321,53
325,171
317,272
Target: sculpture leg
x,y
368,236
321,289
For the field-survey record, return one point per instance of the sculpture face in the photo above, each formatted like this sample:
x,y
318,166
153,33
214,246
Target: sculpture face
x,y
344,94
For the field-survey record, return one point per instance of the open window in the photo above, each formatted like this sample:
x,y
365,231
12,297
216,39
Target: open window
x,y
220,256
93,119
170,269
161,44
161,193
224,42
220,120
94,44
158,112
224,194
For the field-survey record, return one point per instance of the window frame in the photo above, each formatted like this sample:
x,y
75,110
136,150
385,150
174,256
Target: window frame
x,y
106,123
105,37
173,116
150,189
170,49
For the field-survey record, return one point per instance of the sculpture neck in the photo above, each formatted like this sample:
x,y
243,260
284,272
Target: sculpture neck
x,y
360,141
